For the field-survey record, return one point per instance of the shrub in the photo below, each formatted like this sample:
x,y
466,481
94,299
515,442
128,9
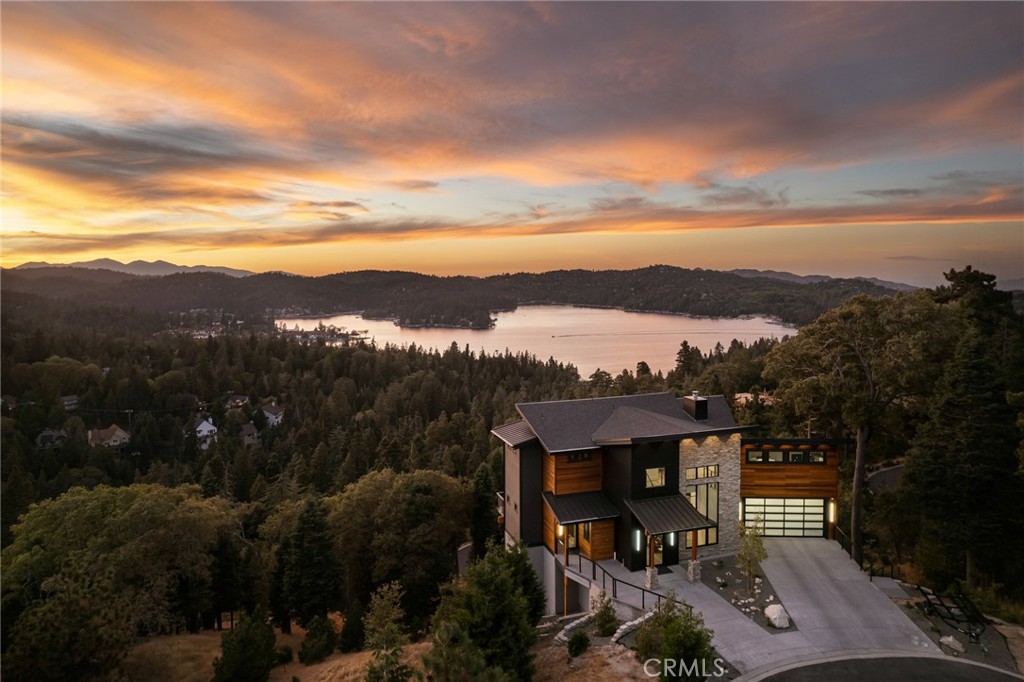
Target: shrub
x,y
604,618
321,638
578,643
247,651
284,654
675,632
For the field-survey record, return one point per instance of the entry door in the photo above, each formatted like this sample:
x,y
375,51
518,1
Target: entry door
x,y
787,517
657,547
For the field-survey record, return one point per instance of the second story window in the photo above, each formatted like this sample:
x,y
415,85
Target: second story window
x,y
655,478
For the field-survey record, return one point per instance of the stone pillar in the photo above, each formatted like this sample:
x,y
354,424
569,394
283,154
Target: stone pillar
x,y
651,578
693,571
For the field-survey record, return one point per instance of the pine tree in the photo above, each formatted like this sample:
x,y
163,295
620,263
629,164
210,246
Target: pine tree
x,y
247,651
312,575
962,464
484,522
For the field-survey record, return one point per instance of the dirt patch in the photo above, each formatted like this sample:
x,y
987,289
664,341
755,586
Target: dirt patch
x,y
1014,635
604,662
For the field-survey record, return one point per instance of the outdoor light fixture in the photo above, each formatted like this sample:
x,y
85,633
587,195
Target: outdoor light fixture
x,y
559,530
831,511
671,539
636,540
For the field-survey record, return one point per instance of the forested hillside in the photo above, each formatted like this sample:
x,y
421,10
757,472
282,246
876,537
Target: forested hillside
x,y
413,299
383,454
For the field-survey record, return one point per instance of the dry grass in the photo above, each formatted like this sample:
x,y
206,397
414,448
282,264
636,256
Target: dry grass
x,y
604,662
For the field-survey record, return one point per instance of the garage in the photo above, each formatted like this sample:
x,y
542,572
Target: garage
x,y
787,516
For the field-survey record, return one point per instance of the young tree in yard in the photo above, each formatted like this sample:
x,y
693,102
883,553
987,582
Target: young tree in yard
x,y
855,365
247,651
386,636
751,552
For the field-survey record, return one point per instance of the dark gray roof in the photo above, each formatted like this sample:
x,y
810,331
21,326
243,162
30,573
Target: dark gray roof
x,y
580,507
884,479
565,425
515,434
670,514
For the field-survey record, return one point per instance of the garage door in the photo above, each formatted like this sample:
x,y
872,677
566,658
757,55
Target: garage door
x,y
787,517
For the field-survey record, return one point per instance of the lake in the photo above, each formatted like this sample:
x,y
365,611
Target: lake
x,y
589,338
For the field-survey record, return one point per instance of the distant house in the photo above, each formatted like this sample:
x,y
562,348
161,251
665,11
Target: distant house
x,y
51,439
69,402
205,431
111,437
235,401
249,435
273,412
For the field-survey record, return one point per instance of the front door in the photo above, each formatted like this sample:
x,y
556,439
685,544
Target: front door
x,y
657,550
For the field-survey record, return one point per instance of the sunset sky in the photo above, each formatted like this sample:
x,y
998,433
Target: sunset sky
x,y
837,138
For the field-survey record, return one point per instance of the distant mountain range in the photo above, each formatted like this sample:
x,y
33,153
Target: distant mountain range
x,y
413,299
157,268
809,279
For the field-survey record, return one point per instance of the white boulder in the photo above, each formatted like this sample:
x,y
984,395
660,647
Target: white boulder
x,y
952,642
777,616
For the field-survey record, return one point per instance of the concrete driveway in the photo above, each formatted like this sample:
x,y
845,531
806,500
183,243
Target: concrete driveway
x,y
833,604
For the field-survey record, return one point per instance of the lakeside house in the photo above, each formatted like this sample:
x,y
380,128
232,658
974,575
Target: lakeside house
x,y
649,481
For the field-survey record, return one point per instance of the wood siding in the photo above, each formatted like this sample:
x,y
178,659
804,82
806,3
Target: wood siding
x,y
790,480
602,539
549,528
563,477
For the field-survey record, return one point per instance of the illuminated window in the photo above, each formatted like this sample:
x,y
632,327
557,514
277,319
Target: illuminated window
x,y
775,455
816,457
655,478
704,498
796,457
710,471
755,456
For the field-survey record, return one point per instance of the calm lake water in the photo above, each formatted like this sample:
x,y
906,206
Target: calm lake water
x,y
589,338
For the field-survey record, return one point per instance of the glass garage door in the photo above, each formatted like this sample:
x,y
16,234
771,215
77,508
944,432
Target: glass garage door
x,y
787,517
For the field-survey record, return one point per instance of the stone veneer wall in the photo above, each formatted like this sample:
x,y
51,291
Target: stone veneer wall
x,y
725,452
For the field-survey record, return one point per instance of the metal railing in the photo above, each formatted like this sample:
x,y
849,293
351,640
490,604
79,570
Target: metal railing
x,y
620,589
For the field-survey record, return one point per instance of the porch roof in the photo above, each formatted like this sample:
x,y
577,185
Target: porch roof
x,y
670,514
580,507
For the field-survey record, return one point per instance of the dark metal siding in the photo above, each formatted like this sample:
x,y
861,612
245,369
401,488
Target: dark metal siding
x,y
649,456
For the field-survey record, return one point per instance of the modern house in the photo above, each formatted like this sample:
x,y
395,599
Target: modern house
x,y
605,478
651,481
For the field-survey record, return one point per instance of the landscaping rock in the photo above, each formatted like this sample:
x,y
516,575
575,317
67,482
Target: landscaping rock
x,y
777,616
952,643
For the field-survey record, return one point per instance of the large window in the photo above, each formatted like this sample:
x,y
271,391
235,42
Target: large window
x,y
704,498
787,517
655,478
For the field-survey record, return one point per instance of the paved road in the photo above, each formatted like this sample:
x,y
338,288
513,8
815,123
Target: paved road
x,y
909,669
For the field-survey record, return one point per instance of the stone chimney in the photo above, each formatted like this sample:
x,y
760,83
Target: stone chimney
x,y
696,406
